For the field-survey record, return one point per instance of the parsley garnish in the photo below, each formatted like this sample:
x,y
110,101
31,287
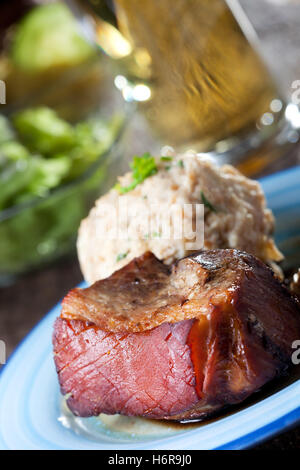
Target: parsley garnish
x,y
121,256
142,167
207,203
180,163
166,159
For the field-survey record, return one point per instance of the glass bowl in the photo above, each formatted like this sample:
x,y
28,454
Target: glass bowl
x,y
44,229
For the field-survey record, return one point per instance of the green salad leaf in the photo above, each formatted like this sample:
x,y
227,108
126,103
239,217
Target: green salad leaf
x,y
93,138
49,174
48,36
43,131
14,178
39,152
14,150
49,152
6,131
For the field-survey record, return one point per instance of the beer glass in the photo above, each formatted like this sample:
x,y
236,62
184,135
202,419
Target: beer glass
x,y
194,68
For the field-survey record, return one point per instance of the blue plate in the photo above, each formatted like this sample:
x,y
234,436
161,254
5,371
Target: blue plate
x,y
32,415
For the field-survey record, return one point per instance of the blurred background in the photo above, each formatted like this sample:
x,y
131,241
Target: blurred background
x,y
83,87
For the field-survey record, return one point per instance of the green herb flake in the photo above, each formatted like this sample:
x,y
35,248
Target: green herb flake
x,y
180,163
142,167
166,159
121,256
207,203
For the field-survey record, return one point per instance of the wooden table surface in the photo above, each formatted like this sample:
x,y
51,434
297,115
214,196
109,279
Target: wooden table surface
x,y
23,304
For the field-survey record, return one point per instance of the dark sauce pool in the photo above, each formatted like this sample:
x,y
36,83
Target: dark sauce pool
x,y
291,376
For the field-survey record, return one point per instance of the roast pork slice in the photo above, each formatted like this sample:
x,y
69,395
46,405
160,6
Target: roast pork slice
x,y
174,343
